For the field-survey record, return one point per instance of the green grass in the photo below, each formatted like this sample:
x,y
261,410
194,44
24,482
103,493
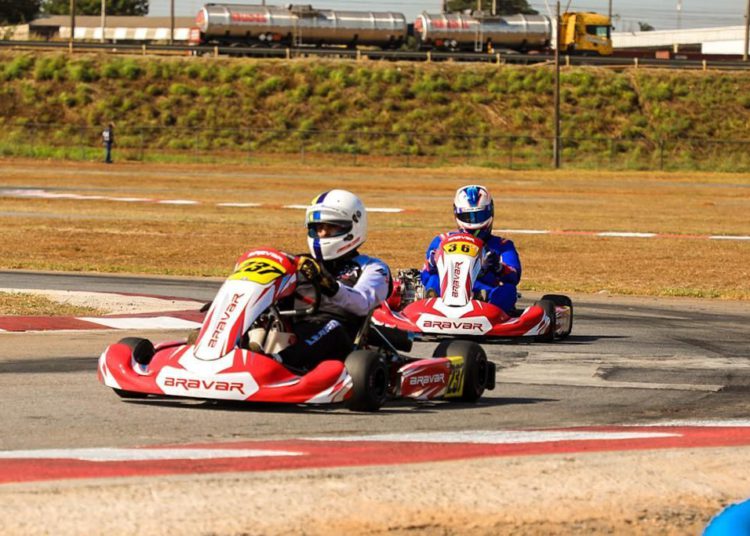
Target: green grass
x,y
435,110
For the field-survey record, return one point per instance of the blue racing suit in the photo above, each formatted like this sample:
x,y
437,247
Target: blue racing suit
x,y
499,277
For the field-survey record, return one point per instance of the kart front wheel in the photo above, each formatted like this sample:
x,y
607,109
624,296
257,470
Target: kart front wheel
x,y
129,394
562,301
549,311
142,350
369,380
479,373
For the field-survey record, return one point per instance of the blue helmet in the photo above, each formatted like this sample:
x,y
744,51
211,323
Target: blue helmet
x,y
474,209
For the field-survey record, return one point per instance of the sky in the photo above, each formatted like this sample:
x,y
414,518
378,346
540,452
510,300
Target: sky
x,y
661,14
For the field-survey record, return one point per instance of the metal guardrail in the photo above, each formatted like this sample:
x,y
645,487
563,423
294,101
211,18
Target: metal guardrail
x,y
392,55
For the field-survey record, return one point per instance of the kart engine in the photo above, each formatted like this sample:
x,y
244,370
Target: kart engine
x,y
411,287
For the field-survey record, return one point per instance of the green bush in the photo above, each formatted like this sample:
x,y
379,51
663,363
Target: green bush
x,y
18,67
271,85
131,70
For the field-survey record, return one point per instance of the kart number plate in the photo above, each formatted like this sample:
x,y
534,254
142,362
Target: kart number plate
x,y
260,270
463,248
455,385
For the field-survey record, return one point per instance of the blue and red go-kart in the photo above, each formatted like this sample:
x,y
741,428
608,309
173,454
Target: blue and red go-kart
x,y
456,312
218,364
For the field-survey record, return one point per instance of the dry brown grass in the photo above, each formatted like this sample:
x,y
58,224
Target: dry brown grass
x,y
107,236
24,304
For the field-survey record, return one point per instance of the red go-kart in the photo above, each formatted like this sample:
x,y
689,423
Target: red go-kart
x,y
218,364
456,313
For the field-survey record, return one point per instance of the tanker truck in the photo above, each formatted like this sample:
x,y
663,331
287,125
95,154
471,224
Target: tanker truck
x,y
304,25
580,32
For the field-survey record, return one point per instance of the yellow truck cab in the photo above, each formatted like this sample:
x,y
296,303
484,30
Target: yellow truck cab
x,y
585,34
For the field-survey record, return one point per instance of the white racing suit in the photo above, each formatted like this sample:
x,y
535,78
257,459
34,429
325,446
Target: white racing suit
x,y
364,282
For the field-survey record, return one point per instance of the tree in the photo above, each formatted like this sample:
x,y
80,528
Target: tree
x,y
94,7
645,27
504,7
18,11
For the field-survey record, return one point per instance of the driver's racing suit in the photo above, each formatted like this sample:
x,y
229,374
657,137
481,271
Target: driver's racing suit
x,y
363,283
500,275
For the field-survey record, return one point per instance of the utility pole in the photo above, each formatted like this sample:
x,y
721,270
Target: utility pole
x,y
104,18
72,24
609,12
747,31
171,22
556,142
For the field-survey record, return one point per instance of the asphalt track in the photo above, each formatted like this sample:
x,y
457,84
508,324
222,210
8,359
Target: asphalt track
x,y
628,361
636,374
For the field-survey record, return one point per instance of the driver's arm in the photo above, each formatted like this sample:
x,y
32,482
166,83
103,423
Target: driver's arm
x,y
371,289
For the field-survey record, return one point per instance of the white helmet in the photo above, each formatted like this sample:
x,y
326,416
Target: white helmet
x,y
341,208
473,208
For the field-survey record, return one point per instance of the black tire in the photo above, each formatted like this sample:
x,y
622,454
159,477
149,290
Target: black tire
x,y
369,380
549,310
142,349
562,301
478,372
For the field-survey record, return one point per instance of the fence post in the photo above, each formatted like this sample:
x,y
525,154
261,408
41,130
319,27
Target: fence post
x,y
661,155
510,152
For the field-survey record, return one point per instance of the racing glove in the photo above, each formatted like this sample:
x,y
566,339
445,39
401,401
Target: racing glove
x,y
491,263
431,266
315,273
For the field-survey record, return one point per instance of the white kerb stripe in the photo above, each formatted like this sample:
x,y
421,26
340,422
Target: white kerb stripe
x,y
501,438
726,237
177,202
240,205
369,209
154,322
116,455
523,231
627,235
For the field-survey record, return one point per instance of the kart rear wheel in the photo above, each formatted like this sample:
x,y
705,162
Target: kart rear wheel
x,y
142,349
549,310
369,380
479,373
562,301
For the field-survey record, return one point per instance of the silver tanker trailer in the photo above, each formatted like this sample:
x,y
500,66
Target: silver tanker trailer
x,y
479,32
298,25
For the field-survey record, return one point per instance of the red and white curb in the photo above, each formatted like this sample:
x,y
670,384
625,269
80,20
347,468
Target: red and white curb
x,y
45,194
145,321
620,234
391,449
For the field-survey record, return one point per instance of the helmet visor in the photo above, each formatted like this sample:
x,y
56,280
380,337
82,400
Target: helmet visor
x,y
328,229
475,217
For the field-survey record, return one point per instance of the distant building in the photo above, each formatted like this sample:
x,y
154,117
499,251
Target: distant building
x,y
116,29
728,40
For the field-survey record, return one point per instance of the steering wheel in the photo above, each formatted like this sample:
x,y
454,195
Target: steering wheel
x,y
310,309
